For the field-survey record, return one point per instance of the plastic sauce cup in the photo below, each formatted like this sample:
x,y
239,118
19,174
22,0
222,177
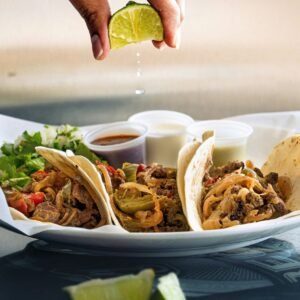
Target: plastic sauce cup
x,y
167,134
231,139
133,151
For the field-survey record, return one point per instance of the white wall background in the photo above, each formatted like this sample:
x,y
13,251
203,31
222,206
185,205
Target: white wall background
x,y
230,49
36,23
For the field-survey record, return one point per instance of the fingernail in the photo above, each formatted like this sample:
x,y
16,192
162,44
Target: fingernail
x,y
162,48
96,45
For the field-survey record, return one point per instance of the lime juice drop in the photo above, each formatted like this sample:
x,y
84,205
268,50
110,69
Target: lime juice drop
x,y
139,85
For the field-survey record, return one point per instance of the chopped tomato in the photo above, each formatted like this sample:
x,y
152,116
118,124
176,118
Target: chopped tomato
x,y
141,168
39,175
19,205
41,172
37,198
109,168
210,181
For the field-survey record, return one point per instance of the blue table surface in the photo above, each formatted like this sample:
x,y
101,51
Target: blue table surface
x,y
39,270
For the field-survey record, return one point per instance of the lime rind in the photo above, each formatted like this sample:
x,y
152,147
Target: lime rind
x,y
128,287
133,24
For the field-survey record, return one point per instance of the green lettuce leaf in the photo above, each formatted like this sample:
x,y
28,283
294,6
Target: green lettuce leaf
x,y
10,176
19,160
35,164
83,150
29,142
7,168
8,149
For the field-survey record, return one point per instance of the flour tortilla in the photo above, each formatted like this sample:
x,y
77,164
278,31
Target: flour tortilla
x,y
17,215
80,172
185,156
199,164
285,160
94,174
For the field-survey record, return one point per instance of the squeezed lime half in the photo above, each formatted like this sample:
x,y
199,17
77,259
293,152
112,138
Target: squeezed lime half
x,y
168,288
133,24
128,287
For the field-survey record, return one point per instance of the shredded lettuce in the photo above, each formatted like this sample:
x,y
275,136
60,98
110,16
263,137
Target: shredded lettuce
x,y
19,160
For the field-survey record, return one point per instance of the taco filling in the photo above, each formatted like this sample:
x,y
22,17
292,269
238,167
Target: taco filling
x,y
238,194
54,197
145,199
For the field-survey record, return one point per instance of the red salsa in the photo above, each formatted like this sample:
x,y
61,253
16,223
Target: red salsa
x,y
114,139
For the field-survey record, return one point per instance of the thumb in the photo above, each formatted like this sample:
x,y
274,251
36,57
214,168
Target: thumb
x,y
96,15
170,15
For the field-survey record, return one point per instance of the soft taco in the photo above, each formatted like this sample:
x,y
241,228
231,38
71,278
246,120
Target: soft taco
x,y
143,198
63,193
285,160
185,156
234,194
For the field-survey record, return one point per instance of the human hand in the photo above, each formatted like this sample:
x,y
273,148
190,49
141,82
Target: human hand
x,y
172,15
96,14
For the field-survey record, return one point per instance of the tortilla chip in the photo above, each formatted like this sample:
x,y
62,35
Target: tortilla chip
x,y
285,160
193,178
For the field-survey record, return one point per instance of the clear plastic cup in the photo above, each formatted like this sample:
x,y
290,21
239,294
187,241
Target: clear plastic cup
x,y
167,134
133,151
231,138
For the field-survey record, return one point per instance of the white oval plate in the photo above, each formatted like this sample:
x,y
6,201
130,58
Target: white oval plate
x,y
116,242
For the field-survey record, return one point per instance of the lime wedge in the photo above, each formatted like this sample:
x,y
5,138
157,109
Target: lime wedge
x,y
133,24
128,287
168,288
